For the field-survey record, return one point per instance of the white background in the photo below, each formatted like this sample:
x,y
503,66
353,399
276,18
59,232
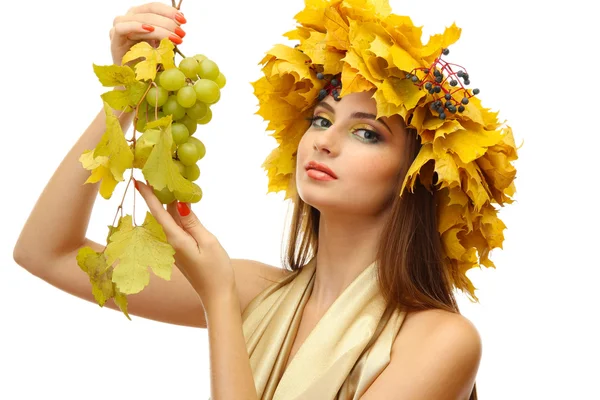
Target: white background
x,y
538,311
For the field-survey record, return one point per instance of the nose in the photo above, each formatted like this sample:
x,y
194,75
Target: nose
x,y
327,140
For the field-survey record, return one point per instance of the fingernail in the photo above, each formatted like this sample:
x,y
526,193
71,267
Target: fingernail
x,y
148,28
175,39
135,183
183,209
180,32
180,18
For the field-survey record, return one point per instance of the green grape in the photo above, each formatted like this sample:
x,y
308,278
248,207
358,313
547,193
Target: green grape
x,y
206,119
221,80
157,96
208,69
200,58
186,96
180,133
192,172
187,153
207,91
189,66
216,100
172,79
189,123
172,107
197,111
199,145
180,166
165,196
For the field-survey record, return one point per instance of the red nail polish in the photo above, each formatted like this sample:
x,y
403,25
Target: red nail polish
x,y
135,183
180,32
183,209
175,39
180,18
148,28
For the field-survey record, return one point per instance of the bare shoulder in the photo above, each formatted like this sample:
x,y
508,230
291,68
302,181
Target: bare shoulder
x,y
436,354
252,277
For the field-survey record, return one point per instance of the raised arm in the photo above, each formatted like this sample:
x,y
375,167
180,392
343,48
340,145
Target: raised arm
x,y
56,227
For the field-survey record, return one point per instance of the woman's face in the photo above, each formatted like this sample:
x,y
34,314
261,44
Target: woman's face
x,y
366,155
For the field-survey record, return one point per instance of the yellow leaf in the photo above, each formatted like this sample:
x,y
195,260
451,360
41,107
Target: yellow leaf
x,y
403,59
447,170
437,42
100,276
337,30
451,243
424,156
315,47
138,248
352,82
161,171
114,146
114,75
146,70
467,144
401,91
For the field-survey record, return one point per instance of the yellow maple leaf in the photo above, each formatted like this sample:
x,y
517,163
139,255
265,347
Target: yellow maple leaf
x,y
161,171
146,69
353,82
136,249
337,30
315,47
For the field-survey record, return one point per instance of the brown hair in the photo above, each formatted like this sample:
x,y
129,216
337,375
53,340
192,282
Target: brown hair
x,y
411,269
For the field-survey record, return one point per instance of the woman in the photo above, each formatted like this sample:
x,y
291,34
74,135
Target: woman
x,y
377,317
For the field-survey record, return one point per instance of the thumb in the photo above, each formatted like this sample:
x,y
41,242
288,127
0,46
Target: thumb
x,y
190,222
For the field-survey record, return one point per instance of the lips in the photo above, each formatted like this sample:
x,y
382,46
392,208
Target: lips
x,y
320,167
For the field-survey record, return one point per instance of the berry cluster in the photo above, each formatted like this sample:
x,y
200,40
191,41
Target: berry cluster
x,y
333,87
433,81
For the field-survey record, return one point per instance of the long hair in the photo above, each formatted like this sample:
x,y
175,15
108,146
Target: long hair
x,y
411,270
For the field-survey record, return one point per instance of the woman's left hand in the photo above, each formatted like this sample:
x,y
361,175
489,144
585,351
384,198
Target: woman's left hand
x,y
198,253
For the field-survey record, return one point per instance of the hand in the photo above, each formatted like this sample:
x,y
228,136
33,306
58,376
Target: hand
x,y
198,253
150,22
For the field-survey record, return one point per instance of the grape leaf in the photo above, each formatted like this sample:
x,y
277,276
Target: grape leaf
x,y
100,275
138,248
144,146
161,171
126,99
146,70
114,75
111,157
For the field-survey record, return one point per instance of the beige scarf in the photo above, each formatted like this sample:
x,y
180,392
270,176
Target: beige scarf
x,y
342,356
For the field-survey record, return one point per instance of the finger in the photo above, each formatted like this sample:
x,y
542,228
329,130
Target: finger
x,y
192,225
172,209
173,231
160,9
135,31
150,19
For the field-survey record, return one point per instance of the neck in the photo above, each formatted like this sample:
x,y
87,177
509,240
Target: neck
x,y
347,246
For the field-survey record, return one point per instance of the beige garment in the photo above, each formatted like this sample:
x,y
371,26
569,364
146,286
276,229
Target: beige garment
x,y
342,356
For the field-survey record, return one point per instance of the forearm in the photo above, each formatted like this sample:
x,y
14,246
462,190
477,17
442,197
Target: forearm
x,y
230,373
60,217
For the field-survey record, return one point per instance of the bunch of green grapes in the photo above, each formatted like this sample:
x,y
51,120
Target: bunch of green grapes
x,y
186,93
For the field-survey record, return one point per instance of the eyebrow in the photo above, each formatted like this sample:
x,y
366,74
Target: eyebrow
x,y
357,114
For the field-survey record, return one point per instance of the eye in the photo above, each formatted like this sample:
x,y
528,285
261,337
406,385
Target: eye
x,y
368,136
320,122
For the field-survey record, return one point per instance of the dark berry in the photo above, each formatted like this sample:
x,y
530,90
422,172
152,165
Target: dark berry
x,y
447,96
442,115
426,70
460,74
322,94
334,82
453,82
445,52
465,100
475,91
461,108
437,89
414,79
428,85
467,82
320,75
438,79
